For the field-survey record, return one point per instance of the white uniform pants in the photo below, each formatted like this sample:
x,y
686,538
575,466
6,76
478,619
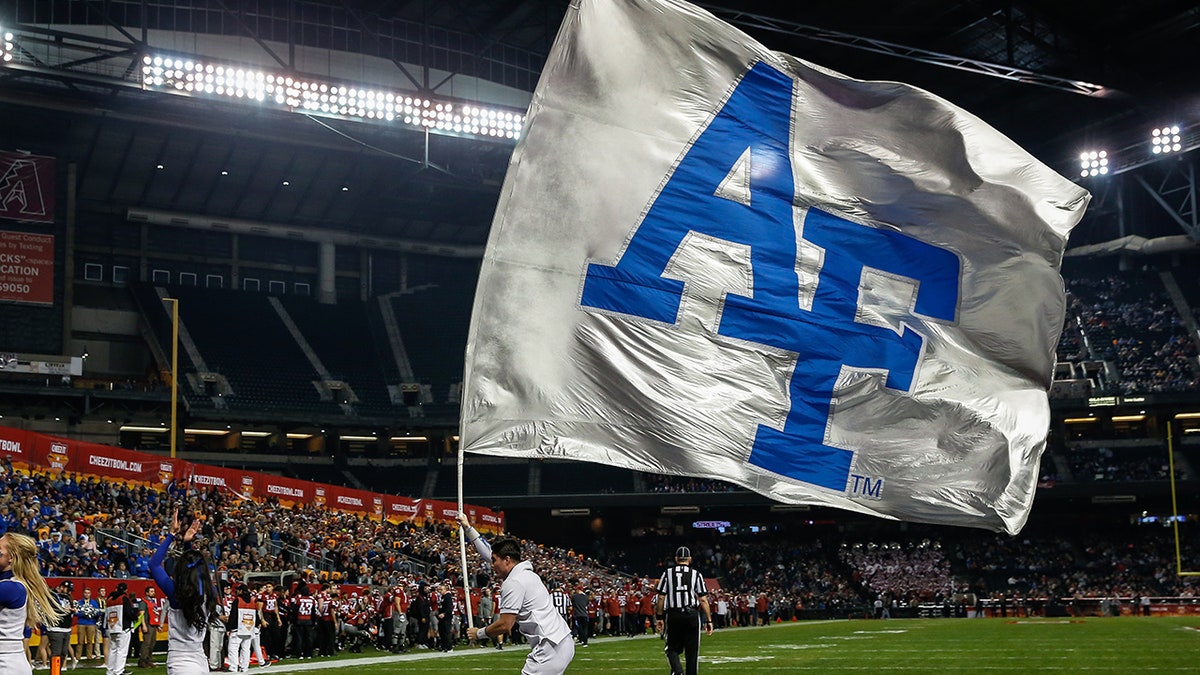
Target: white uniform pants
x,y
216,646
546,658
239,653
256,648
118,652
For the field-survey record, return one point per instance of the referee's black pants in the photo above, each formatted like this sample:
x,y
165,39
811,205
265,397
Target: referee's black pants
x,y
683,637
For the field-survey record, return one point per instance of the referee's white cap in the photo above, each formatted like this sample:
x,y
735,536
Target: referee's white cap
x,y
683,552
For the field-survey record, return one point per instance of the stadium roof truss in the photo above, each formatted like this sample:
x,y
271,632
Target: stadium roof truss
x,y
1052,77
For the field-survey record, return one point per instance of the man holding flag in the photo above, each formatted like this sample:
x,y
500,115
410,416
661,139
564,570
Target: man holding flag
x,y
524,603
740,265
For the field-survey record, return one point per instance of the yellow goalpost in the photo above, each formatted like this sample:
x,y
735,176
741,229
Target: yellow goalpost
x,y
1175,508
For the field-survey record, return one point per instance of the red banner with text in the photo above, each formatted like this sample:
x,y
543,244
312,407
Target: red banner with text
x,y
288,491
240,483
349,499
118,464
27,267
400,509
34,451
17,446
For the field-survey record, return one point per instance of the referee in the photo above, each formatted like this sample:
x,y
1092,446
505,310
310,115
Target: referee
x,y
684,598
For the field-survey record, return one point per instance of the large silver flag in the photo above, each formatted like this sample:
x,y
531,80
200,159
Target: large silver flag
x,y
711,259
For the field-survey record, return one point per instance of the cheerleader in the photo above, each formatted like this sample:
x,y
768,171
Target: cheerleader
x,y
25,601
192,598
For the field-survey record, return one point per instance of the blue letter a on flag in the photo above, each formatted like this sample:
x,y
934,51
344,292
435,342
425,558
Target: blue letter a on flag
x,y
735,185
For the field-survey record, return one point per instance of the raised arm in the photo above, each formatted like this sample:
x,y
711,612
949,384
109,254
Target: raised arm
x,y
164,582
481,546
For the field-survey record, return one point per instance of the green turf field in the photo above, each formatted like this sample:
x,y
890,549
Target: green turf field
x,y
1106,645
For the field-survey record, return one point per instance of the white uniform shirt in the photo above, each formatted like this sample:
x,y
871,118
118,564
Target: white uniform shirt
x,y
183,636
524,594
12,619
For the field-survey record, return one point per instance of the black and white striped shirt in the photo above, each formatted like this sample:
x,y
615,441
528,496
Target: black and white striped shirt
x,y
561,601
681,587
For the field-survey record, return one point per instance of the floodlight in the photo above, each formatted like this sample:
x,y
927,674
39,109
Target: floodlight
x,y
1093,163
191,76
1165,139
7,47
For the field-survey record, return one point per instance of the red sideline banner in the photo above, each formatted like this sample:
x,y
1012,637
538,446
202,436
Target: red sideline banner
x,y
421,511
289,491
55,454
170,469
17,446
240,483
354,501
400,509
117,464
26,187
29,450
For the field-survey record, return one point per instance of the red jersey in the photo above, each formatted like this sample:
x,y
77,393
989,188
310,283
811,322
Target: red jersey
x,y
648,604
270,602
612,606
305,607
632,603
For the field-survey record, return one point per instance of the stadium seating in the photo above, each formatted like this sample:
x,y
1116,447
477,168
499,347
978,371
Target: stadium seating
x,y
662,483
390,476
560,478
482,478
243,337
341,335
1118,462
1130,320
433,323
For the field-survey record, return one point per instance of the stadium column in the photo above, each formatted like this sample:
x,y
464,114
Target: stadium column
x,y
235,271
327,273
68,268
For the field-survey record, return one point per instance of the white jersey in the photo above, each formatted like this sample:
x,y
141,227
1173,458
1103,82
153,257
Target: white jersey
x,y
182,636
12,620
14,659
524,594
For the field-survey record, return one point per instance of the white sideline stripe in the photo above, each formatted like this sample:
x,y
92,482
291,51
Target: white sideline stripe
x,y
293,666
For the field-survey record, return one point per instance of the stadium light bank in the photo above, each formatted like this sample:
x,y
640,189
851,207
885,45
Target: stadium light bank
x,y
6,47
298,93
1157,144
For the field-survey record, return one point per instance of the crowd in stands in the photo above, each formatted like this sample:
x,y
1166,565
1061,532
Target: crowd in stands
x,y
71,515
89,528
74,517
1140,562
1118,464
663,483
752,567
910,573
1131,322
1048,473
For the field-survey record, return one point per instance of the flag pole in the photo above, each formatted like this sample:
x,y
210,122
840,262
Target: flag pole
x,y
462,541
